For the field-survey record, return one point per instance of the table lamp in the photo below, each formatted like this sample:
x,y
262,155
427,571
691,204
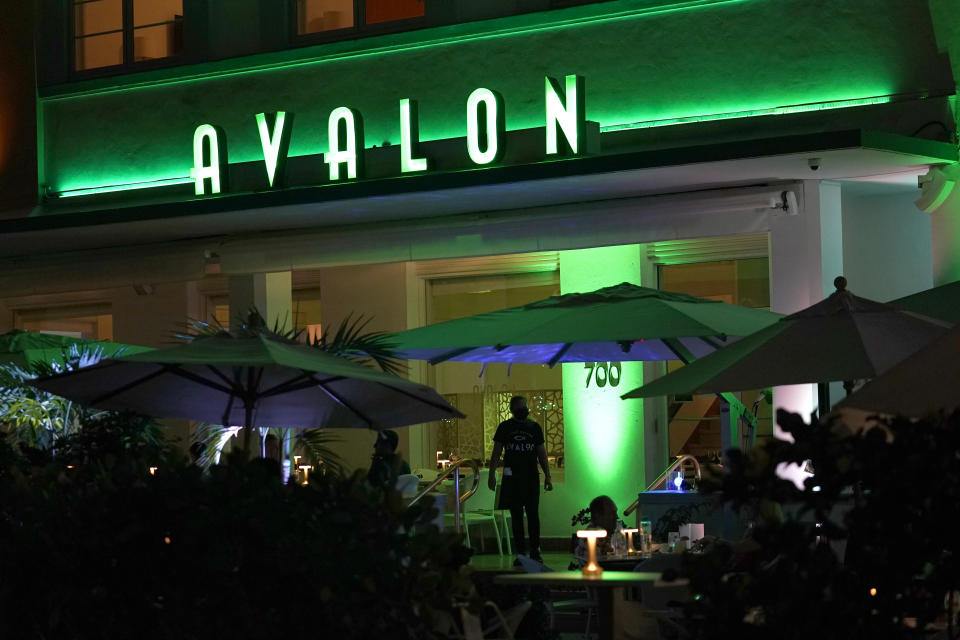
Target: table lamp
x,y
305,468
592,570
629,533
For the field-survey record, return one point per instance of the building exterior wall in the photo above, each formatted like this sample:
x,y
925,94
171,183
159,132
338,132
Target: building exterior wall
x,y
711,58
646,64
18,121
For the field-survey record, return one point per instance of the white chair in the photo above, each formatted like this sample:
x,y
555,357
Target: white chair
x,y
485,514
504,624
587,603
480,516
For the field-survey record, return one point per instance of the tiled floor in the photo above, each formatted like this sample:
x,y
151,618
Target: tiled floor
x,y
494,562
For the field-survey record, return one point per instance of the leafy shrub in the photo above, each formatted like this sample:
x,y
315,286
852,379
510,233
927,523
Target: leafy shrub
x,y
887,494
105,550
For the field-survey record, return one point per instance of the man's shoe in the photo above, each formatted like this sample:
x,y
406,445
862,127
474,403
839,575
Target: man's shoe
x,y
517,563
536,556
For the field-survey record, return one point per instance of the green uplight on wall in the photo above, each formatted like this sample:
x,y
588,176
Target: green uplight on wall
x,y
603,435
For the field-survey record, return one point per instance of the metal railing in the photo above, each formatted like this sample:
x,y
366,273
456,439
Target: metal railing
x,y
662,480
475,465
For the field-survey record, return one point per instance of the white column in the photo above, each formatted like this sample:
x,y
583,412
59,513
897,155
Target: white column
x,y
806,254
270,293
945,240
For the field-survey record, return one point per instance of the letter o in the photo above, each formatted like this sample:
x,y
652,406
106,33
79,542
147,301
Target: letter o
x,y
493,127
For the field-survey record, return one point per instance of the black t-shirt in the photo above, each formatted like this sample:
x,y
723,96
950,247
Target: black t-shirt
x,y
519,439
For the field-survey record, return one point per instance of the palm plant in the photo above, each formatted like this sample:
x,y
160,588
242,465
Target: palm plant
x,y
350,341
35,418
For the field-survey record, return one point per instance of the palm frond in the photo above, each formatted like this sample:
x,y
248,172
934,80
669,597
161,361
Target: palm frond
x,y
250,324
212,437
315,444
351,342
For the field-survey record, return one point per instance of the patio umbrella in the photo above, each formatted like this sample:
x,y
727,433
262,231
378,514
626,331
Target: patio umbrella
x,y
624,322
923,383
23,348
252,381
841,338
941,302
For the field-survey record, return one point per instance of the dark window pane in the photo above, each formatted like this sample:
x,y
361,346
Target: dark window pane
x,y
315,16
391,10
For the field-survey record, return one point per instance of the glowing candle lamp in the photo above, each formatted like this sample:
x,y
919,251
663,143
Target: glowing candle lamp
x,y
592,570
305,468
153,471
629,533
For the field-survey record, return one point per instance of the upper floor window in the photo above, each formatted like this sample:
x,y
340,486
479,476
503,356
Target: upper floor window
x,y
321,16
109,33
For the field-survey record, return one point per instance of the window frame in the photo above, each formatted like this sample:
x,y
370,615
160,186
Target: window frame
x,y
359,29
127,29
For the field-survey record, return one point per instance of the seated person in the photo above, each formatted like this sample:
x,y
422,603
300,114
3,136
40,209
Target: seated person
x,y
603,515
387,463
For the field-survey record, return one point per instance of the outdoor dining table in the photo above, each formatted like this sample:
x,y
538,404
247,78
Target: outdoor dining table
x,y
605,585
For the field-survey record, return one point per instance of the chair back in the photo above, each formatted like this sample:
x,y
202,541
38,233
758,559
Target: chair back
x,y
407,484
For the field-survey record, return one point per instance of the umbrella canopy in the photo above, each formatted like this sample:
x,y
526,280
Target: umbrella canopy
x,y
619,323
23,348
841,338
923,383
252,381
941,302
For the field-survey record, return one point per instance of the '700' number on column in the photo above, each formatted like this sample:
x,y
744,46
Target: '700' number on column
x,y
603,373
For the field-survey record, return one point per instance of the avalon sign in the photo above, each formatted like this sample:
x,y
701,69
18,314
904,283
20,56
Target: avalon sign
x,y
486,134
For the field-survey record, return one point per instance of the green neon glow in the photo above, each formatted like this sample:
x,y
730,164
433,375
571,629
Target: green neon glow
x,y
493,126
750,113
273,143
178,175
201,172
603,436
409,137
131,186
568,114
338,155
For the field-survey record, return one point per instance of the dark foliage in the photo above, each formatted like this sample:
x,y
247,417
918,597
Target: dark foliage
x,y
104,550
866,550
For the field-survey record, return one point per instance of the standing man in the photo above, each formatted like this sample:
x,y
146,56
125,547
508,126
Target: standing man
x,y
521,441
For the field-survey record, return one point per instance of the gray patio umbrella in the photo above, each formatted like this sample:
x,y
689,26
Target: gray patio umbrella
x,y
624,322
926,382
841,338
252,381
942,303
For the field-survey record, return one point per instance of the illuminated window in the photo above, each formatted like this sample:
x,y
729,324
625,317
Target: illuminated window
x,y
109,33
392,10
89,321
694,421
483,393
321,16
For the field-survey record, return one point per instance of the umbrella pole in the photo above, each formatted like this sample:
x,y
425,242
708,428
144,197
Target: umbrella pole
x,y
247,427
823,399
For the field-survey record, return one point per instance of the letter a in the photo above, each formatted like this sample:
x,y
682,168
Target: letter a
x,y
215,168
569,115
352,151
